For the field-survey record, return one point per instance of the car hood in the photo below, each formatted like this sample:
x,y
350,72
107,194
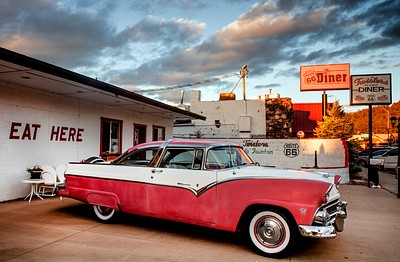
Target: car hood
x,y
268,172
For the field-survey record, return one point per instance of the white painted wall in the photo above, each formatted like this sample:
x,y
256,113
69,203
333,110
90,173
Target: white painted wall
x,y
229,113
29,106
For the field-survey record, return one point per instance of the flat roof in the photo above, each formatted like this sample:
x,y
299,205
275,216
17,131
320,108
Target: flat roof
x,y
30,72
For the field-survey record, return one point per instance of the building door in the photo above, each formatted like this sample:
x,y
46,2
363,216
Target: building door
x,y
139,135
110,138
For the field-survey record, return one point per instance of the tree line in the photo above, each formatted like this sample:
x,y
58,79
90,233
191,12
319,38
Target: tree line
x,y
380,119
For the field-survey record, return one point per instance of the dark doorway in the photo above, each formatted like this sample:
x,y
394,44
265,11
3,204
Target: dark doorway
x,y
139,135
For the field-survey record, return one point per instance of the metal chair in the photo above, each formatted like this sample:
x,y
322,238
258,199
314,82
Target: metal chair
x,y
60,171
49,187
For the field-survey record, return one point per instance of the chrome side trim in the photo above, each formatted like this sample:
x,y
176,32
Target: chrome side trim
x,y
318,232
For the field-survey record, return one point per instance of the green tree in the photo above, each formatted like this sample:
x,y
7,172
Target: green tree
x,y
336,124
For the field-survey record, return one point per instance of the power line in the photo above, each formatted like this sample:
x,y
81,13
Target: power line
x,y
188,85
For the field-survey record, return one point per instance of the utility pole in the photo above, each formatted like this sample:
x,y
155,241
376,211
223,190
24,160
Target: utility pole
x,y
243,75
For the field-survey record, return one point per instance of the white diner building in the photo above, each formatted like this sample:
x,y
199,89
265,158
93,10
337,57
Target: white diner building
x,y
50,115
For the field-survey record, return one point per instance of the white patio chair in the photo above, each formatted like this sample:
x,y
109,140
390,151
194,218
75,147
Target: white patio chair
x,y
60,171
49,187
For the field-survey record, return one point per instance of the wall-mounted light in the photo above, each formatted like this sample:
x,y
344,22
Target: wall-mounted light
x,y
217,123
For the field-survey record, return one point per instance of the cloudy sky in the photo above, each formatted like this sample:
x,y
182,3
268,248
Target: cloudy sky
x,y
150,44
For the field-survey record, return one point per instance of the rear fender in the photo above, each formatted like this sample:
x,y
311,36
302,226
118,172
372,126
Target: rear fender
x,y
105,199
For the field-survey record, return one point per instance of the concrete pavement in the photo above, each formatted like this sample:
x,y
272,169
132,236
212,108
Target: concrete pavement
x,y
55,230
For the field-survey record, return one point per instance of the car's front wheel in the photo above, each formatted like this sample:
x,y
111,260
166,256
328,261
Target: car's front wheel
x,y
271,233
104,214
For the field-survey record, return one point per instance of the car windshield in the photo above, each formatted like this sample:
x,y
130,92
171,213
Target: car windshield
x,y
226,157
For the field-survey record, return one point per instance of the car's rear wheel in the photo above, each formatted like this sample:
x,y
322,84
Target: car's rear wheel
x,y
104,214
271,233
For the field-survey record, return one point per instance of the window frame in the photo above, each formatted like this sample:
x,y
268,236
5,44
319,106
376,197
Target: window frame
x,y
158,128
102,150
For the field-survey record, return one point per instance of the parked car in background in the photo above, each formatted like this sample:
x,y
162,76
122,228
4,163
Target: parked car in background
x,y
376,151
212,184
390,158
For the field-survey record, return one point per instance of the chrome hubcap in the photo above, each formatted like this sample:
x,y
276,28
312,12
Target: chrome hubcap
x,y
269,231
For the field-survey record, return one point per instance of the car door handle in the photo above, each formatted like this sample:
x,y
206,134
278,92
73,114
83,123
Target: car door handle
x,y
183,184
156,171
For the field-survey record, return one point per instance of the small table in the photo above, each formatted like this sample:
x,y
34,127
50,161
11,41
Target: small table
x,y
34,183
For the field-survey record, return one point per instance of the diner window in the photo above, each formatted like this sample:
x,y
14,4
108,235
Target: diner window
x,y
111,133
158,133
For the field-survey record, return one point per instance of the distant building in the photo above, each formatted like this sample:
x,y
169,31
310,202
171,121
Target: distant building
x,y
305,118
226,118
269,116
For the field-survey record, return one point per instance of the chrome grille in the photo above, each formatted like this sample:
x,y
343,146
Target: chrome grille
x,y
333,209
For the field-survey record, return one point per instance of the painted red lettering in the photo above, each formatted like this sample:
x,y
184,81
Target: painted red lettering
x,y
63,133
35,128
14,129
72,132
26,133
54,133
79,135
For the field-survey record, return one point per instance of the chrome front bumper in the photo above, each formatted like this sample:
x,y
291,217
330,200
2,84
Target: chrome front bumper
x,y
317,231
333,224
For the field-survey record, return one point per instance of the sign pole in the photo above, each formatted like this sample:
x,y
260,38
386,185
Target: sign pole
x,y
324,104
373,175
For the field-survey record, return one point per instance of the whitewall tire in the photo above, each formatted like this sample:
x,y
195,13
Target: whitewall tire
x,y
104,214
270,233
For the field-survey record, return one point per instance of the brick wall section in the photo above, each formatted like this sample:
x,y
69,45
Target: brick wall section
x,y
279,117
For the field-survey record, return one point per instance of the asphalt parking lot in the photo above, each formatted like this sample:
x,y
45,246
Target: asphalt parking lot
x,y
65,230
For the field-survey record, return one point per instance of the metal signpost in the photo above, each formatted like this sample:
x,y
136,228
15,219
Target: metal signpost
x,y
393,120
371,90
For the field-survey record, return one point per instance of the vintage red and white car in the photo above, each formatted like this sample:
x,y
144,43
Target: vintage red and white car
x,y
212,184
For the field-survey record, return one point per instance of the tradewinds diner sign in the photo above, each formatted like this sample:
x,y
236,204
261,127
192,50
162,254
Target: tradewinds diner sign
x,y
325,77
371,89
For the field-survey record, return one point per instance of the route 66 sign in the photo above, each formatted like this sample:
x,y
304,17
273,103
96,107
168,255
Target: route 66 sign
x,y
291,150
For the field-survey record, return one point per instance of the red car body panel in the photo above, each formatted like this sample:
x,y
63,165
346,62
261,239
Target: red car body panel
x,y
212,208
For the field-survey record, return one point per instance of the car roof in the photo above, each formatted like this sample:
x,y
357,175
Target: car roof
x,y
377,152
184,142
391,150
374,149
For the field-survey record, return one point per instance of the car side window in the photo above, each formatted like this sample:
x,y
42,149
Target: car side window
x,y
139,157
179,158
226,157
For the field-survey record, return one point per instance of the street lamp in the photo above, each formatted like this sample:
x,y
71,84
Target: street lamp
x,y
393,120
